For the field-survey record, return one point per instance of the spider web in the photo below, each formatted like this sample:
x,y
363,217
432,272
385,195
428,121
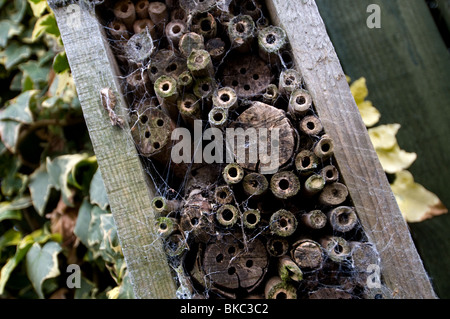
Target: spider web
x,y
216,261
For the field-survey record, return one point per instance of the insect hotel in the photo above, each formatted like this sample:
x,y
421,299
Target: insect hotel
x,y
321,223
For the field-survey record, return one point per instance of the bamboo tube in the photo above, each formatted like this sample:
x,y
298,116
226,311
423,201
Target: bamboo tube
x,y
333,194
216,48
311,125
225,98
223,195
139,83
191,41
159,15
118,30
218,117
271,94
251,8
251,218
178,14
306,162
299,103
277,247
337,248
142,9
227,215
204,88
278,289
283,223
290,80
255,184
233,174
314,184
330,173
288,269
285,185
166,226
124,11
343,219
161,206
189,108
307,254
144,25
174,31
200,64
175,245
185,82
166,91
324,148
270,41
240,31
314,219
205,25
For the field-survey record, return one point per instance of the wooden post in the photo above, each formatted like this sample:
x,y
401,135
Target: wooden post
x,y
316,59
129,193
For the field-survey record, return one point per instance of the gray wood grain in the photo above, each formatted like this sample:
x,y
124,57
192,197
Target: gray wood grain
x,y
316,59
128,190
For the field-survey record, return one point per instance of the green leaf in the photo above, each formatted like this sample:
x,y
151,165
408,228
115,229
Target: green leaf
x,y
42,264
59,170
82,173
95,234
37,73
37,236
83,220
97,191
10,238
60,63
20,7
86,289
110,245
45,24
9,132
8,29
10,214
40,188
20,109
38,7
14,53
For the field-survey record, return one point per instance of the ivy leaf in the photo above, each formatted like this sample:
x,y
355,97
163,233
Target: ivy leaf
x,y
45,24
10,238
59,170
20,7
14,53
42,264
84,218
415,202
37,73
110,245
60,63
37,236
38,7
95,235
8,29
82,173
97,191
86,289
20,109
11,210
40,188
9,132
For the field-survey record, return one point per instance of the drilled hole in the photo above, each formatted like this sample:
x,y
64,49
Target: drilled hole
x,y
231,271
247,87
194,221
283,222
219,258
144,119
270,38
255,77
172,67
160,122
325,147
147,134
243,70
240,27
284,184
153,70
205,87
231,250
310,125
249,263
156,145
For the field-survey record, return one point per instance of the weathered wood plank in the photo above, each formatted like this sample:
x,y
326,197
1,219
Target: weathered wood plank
x,y
406,65
126,184
316,59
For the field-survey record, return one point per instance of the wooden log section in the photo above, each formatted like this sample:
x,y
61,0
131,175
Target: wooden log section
x,y
231,265
316,59
307,254
261,115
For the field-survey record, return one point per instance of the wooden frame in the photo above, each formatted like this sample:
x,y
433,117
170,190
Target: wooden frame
x,y
130,193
